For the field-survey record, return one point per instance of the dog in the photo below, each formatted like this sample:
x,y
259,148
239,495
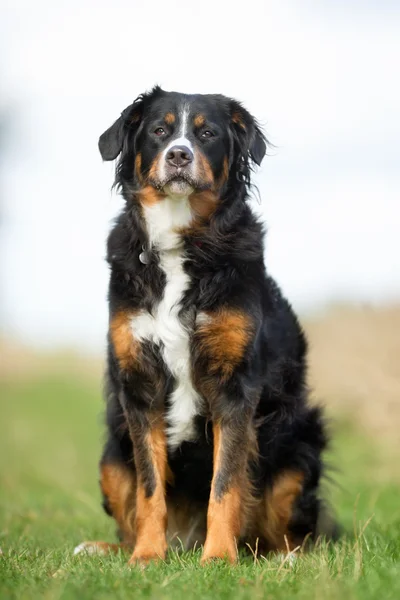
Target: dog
x,y
211,438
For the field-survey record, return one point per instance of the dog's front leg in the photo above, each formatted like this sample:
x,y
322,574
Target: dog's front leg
x,y
230,488
150,455
222,375
141,397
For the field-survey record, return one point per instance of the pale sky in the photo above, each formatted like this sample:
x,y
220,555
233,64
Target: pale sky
x,y
323,78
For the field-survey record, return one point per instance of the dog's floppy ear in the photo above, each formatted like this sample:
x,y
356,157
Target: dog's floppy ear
x,y
259,146
112,140
248,135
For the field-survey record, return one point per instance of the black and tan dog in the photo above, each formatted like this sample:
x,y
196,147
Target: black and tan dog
x,y
210,436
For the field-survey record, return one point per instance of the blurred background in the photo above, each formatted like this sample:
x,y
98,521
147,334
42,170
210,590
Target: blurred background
x,y
322,78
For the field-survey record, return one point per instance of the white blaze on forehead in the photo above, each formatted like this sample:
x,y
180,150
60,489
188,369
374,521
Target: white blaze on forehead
x,y
181,140
184,120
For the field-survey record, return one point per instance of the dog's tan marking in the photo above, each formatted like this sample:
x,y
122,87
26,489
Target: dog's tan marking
x,y
118,484
223,336
169,118
204,170
277,509
126,347
223,516
199,120
148,196
151,511
225,172
138,166
203,205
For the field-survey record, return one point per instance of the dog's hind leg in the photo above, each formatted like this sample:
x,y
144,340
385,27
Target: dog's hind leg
x,y
118,485
277,510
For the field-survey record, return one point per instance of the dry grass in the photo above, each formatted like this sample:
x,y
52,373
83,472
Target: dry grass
x,y
19,362
355,366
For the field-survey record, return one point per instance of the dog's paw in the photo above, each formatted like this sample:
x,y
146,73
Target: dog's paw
x,y
226,552
144,555
95,548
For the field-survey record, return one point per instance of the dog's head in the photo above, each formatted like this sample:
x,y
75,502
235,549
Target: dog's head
x,y
173,144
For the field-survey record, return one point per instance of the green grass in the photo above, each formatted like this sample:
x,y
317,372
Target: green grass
x,y
50,440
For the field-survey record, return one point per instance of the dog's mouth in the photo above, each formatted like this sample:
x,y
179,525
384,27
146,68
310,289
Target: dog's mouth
x,y
178,184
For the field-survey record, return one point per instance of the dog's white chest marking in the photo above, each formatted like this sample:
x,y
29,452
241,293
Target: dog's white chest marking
x,y
164,326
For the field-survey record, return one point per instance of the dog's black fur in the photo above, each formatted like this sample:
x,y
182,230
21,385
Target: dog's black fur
x,y
257,396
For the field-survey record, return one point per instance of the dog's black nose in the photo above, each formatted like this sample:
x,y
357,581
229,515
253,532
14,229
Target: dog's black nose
x,y
179,156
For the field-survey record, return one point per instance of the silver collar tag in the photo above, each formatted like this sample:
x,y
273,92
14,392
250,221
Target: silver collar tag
x,y
144,256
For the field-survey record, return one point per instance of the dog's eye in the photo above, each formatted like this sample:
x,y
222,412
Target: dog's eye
x,y
159,131
207,134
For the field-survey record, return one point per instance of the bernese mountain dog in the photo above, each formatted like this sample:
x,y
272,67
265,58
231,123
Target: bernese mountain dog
x,y
211,438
